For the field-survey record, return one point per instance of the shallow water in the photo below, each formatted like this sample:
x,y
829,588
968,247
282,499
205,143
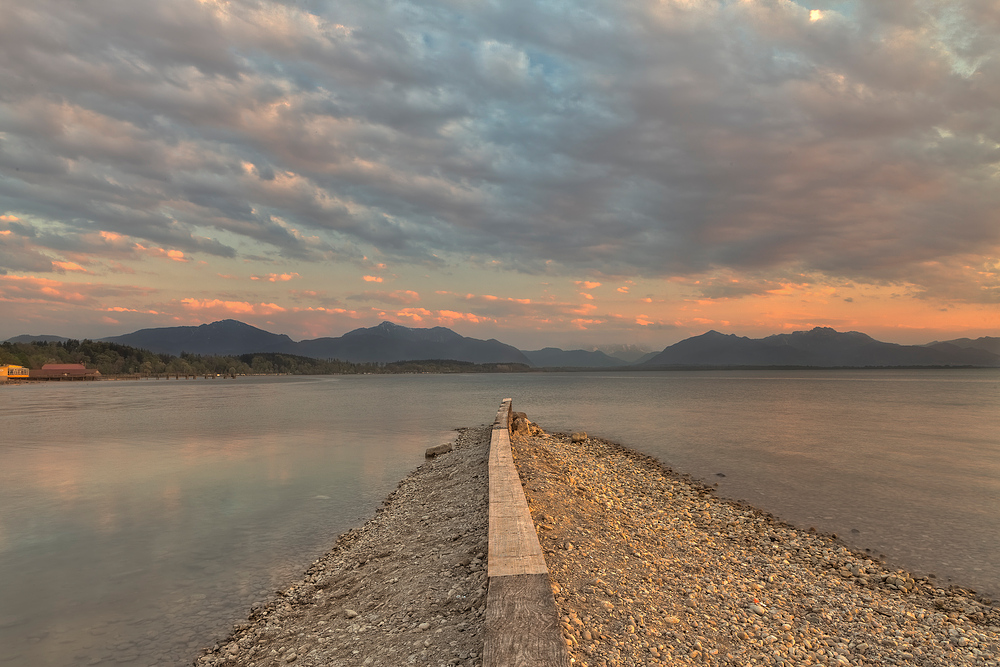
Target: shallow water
x,y
139,520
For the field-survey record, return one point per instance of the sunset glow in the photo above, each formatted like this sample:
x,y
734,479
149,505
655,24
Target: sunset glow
x,y
751,167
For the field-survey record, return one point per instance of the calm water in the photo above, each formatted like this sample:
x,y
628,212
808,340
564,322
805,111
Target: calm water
x,y
139,520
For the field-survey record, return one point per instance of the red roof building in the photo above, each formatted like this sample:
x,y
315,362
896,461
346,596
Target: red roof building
x,y
64,372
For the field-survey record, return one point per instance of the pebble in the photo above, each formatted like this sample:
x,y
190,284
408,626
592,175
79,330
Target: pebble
x,y
663,565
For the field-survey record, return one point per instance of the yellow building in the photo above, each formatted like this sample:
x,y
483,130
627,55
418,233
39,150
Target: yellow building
x,y
14,372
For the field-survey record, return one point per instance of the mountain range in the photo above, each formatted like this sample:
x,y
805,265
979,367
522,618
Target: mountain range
x,y
820,347
388,342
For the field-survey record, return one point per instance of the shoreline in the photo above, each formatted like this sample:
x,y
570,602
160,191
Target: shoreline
x,y
648,567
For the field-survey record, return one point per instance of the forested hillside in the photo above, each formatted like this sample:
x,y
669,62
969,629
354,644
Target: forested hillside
x,y
116,359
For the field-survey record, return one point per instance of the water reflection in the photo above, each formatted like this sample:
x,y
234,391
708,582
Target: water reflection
x,y
136,516
139,520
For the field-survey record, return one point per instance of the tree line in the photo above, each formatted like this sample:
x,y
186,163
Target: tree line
x,y
116,359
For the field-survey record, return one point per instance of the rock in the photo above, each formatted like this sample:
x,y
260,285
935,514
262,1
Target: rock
x,y
579,436
350,613
437,451
520,424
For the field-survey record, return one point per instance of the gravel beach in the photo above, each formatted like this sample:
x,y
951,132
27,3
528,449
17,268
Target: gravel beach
x,y
407,588
648,567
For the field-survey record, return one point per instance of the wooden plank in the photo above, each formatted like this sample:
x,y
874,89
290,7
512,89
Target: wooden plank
x,y
522,624
513,543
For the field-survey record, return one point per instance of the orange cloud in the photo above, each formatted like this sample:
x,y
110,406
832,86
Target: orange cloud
x,y
401,297
372,279
490,298
276,277
439,317
175,255
321,309
447,316
237,307
119,309
586,284
415,314
623,289
69,266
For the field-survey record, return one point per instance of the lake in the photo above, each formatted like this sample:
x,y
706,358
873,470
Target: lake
x,y
140,520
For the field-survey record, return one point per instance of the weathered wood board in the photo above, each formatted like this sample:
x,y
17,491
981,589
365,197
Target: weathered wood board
x,y
522,622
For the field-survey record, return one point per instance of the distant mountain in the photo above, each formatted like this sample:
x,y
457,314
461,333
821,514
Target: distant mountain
x,y
644,358
988,343
393,342
223,338
386,342
25,338
556,358
630,354
822,347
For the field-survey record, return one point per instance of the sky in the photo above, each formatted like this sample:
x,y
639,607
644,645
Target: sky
x,y
568,173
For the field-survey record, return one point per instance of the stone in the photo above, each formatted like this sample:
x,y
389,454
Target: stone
x,y
350,613
579,436
437,451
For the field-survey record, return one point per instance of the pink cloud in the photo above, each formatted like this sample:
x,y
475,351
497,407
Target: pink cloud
x,y
30,289
120,309
372,279
235,307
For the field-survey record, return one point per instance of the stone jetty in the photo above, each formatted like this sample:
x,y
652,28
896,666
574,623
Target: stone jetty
x,y
647,567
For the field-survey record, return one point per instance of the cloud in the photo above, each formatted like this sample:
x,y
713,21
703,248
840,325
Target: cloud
x,y
425,317
276,277
231,307
647,139
401,297
34,290
372,279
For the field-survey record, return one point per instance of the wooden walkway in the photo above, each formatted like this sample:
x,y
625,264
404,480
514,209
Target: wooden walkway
x,y
522,622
